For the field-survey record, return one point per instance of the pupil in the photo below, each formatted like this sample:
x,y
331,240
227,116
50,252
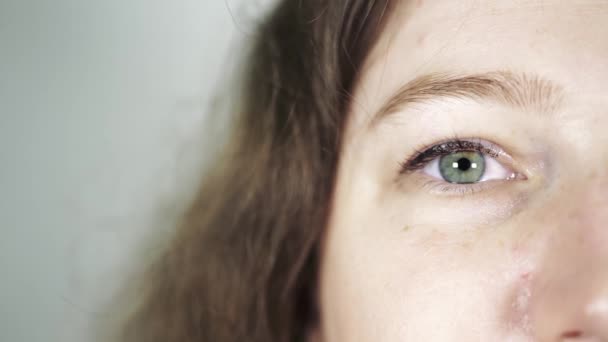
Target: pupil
x,y
464,164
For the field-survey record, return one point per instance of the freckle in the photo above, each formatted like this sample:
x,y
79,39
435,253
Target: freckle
x,y
406,228
581,239
467,246
421,39
515,250
419,3
593,175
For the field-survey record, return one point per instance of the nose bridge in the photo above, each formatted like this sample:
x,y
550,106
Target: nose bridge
x,y
570,289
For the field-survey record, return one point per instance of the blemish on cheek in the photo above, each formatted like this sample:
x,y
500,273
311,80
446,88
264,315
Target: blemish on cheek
x,y
524,292
419,3
520,291
519,308
406,228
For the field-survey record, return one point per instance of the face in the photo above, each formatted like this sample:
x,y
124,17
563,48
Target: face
x,y
472,195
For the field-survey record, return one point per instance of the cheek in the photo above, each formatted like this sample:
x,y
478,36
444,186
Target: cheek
x,y
386,280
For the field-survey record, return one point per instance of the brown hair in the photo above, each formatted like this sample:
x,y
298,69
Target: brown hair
x,y
243,265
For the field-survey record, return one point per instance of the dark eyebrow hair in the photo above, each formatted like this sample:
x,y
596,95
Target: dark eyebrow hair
x,y
519,90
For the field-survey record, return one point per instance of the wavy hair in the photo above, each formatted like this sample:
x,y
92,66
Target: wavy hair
x,y
243,263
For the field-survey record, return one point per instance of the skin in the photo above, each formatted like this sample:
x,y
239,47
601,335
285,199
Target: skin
x,y
406,258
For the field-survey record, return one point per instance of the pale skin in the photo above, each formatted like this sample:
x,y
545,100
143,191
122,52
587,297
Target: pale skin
x,y
519,256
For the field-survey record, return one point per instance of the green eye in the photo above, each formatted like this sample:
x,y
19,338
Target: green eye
x,y
462,167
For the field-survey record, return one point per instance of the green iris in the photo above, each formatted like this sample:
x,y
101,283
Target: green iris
x,y
462,167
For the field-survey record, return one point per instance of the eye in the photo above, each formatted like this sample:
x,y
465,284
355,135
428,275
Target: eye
x,y
461,162
467,167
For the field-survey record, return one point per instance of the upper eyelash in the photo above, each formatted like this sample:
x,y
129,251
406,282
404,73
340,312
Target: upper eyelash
x,y
426,155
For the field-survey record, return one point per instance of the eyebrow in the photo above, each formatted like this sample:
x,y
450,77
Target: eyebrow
x,y
519,90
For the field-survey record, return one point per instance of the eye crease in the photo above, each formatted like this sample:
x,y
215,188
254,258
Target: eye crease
x,y
460,162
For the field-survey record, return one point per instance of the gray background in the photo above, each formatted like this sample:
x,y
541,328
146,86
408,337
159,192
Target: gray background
x,y
103,130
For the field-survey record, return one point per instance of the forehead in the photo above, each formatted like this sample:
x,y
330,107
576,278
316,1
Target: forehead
x,y
445,28
566,41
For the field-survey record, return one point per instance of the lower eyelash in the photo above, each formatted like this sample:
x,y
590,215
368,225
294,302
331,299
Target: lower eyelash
x,y
451,189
